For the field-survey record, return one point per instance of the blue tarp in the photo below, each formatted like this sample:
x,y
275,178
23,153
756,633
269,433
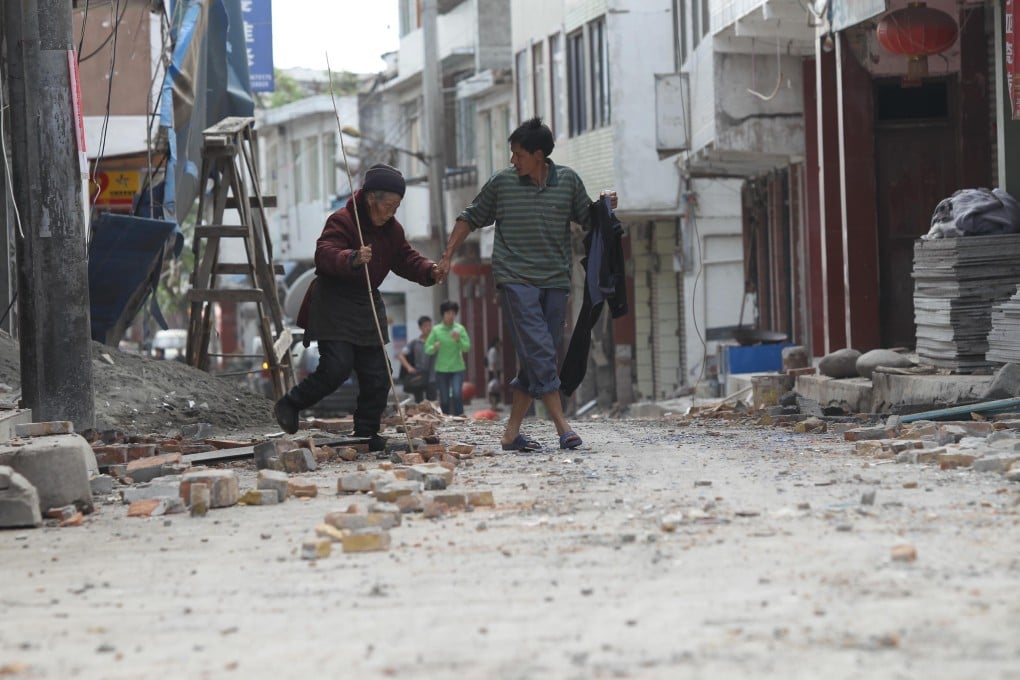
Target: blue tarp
x,y
125,262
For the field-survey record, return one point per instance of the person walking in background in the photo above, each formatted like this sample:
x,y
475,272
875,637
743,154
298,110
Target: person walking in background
x,y
417,368
494,364
532,204
337,310
448,341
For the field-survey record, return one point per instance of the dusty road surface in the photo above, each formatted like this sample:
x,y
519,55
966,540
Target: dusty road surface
x,y
660,550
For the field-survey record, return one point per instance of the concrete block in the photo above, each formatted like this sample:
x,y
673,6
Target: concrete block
x,y
44,429
223,487
389,492
11,418
914,393
273,480
102,485
848,395
57,466
147,469
995,462
366,540
19,500
354,482
162,487
420,472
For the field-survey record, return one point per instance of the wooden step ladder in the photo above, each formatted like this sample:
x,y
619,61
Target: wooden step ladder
x,y
229,158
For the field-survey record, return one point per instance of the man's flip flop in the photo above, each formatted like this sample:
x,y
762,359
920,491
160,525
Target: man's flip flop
x,y
569,440
522,443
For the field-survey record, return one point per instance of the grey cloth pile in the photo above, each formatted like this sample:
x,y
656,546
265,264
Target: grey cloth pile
x,y
956,283
975,212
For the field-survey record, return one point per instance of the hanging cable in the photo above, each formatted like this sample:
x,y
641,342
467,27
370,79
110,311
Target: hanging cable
x,y
81,38
368,279
109,99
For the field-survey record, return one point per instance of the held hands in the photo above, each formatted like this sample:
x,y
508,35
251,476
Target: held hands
x,y
435,346
363,256
455,335
441,270
612,197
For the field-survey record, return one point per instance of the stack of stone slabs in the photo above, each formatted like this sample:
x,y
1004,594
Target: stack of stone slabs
x,y
1004,338
956,283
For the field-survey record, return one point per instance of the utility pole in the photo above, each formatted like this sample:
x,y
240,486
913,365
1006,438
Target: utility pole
x,y
431,86
53,289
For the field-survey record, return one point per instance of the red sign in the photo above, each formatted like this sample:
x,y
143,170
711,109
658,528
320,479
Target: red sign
x,y
1012,42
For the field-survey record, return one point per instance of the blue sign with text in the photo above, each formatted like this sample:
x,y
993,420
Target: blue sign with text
x,y
258,41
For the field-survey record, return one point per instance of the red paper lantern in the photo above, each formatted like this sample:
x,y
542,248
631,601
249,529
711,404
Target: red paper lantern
x,y
915,32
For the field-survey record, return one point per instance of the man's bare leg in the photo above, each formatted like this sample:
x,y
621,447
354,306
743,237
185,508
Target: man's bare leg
x,y
555,408
518,409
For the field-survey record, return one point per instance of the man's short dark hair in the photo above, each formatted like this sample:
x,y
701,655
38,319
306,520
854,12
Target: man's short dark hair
x,y
533,135
449,305
422,320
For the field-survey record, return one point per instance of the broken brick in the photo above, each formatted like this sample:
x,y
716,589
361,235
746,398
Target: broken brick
x,y
297,461
300,489
366,540
136,451
353,521
433,510
390,491
904,553
316,549
268,453
259,497
143,508
411,458
951,461
481,499
147,469
223,486
273,480
861,433
44,429
451,500
461,449
199,502
327,531
347,453
451,459
411,503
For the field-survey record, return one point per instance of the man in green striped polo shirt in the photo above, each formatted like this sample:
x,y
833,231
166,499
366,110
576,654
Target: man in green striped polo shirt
x,y
532,205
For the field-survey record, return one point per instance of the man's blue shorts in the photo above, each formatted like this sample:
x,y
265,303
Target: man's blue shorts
x,y
535,317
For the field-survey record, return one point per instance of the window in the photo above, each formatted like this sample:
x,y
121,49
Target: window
x,y
313,168
270,180
329,186
599,56
297,174
466,109
682,29
485,162
575,83
538,78
556,69
410,16
413,167
523,81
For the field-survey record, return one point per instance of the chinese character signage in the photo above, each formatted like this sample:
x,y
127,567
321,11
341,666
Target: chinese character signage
x,y
1011,42
258,41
